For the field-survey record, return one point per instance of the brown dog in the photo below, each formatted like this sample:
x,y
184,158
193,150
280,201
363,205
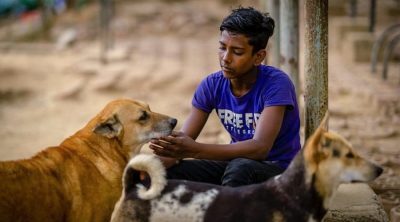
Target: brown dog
x,y
80,180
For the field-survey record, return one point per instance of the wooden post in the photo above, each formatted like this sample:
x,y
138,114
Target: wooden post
x,y
316,63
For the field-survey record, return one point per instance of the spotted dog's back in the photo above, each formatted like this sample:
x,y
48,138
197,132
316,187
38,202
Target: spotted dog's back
x,y
143,200
180,200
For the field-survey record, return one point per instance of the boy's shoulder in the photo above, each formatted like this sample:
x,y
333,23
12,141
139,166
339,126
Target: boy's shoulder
x,y
273,73
270,70
265,70
273,76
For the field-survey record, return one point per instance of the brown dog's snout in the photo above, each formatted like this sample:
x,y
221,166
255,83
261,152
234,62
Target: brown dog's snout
x,y
173,122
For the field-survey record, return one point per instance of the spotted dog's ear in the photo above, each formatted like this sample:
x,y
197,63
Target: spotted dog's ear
x,y
109,128
325,142
322,128
324,123
317,138
313,150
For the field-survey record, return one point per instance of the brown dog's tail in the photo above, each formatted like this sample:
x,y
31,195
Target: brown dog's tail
x,y
152,166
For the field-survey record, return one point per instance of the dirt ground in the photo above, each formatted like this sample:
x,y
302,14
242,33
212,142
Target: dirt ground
x,y
162,49
159,56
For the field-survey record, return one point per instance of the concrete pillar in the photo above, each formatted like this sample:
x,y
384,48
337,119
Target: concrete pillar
x,y
106,15
273,49
316,63
372,15
289,34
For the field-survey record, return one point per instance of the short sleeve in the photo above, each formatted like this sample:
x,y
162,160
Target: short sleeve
x,y
203,96
280,92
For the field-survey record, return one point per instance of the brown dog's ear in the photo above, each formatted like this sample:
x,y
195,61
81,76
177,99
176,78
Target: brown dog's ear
x,y
109,128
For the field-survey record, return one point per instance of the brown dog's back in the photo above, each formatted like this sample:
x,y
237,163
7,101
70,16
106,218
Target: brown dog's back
x,y
48,187
80,180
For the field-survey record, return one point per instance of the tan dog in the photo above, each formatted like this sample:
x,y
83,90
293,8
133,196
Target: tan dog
x,y
303,193
80,180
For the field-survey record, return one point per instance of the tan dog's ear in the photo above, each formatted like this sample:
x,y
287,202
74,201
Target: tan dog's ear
x,y
321,141
322,128
109,128
316,142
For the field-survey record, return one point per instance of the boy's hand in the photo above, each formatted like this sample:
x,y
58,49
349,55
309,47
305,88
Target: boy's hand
x,y
177,145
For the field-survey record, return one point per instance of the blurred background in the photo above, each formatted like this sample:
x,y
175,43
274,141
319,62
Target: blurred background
x,y
61,61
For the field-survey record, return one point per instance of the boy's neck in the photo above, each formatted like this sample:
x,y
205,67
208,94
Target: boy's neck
x,y
240,86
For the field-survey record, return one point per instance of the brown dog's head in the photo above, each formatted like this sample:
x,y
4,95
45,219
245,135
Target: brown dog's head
x,y
132,123
334,161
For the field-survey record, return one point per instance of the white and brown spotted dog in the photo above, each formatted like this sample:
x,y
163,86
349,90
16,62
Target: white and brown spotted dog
x,y
303,193
80,180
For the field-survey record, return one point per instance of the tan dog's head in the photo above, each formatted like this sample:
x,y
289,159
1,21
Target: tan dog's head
x,y
132,123
334,161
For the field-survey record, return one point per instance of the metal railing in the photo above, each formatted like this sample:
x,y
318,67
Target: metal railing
x,y
391,35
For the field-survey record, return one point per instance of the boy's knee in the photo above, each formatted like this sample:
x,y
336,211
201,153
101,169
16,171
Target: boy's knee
x,y
238,172
241,162
241,166
242,171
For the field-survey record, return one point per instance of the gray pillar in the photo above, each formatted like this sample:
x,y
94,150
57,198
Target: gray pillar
x,y
272,7
316,63
372,15
289,49
106,15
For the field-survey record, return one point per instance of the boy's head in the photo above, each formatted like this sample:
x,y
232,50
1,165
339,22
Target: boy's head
x,y
251,23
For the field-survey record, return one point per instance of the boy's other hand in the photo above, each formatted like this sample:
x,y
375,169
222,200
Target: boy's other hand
x,y
177,145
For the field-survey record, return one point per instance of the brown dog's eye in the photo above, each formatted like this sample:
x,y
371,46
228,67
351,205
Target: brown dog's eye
x,y
144,116
350,155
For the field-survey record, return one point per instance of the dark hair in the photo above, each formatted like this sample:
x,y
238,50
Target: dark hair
x,y
251,23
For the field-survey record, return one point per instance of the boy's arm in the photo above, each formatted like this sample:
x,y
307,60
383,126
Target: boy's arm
x,y
181,146
191,127
194,123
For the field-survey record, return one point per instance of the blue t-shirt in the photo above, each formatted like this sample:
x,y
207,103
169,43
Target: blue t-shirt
x,y
239,115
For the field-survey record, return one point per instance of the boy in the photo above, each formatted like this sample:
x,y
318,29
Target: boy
x,y
256,104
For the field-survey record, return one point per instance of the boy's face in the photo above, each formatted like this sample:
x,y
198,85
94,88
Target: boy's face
x,y
235,55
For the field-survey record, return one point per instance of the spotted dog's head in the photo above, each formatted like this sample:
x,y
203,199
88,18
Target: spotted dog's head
x,y
331,160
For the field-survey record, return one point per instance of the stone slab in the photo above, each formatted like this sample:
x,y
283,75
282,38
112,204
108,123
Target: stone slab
x,y
356,203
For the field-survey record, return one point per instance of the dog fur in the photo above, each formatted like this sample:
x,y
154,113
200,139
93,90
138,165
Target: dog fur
x,y
80,180
303,193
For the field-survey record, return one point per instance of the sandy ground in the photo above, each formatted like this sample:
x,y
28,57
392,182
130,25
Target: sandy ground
x,y
161,52
159,57
46,94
